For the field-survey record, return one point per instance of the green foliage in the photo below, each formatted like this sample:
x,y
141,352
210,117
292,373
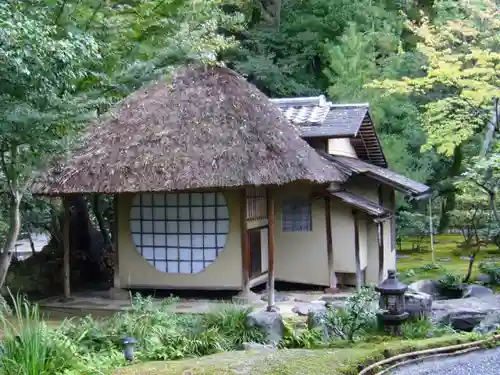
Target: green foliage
x,y
294,338
358,314
163,334
423,328
450,284
31,348
459,78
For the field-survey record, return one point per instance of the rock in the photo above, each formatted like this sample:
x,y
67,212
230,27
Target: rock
x,y
418,304
444,259
271,323
277,298
258,347
303,309
483,279
430,287
477,291
465,313
490,323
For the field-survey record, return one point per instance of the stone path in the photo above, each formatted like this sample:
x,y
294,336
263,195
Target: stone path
x,y
485,362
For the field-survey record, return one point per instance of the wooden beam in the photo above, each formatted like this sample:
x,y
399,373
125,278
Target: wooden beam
x,y
245,241
116,230
357,258
381,253
332,287
271,219
66,248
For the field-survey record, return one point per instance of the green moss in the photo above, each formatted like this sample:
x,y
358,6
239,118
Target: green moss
x,y
446,246
344,361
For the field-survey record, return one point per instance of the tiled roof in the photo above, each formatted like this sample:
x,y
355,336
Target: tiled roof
x,y
317,117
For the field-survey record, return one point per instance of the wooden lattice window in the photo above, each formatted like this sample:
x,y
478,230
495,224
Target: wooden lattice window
x,y
256,203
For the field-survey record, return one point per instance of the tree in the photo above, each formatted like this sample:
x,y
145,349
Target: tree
x,y
40,108
458,81
64,62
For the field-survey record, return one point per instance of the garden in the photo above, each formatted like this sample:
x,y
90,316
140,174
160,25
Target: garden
x,y
150,339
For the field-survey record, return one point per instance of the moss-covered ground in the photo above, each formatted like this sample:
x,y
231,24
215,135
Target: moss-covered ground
x,y
344,361
449,255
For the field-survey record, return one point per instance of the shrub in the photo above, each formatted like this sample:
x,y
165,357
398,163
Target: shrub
x,y
450,285
423,328
358,315
31,348
306,338
231,322
492,270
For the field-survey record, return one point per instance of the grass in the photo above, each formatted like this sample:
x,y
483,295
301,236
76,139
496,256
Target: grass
x,y
446,246
344,361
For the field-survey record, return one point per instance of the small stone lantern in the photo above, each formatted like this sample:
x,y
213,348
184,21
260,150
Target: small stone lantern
x,y
392,303
129,344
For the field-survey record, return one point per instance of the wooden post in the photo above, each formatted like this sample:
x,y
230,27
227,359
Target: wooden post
x,y
357,258
270,248
332,287
245,242
66,248
381,254
116,230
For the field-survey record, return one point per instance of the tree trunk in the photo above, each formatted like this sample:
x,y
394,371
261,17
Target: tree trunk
x,y
472,258
450,194
15,227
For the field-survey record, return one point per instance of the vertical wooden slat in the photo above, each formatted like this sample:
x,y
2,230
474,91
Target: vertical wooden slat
x,y
381,254
357,258
271,249
66,249
329,246
245,242
115,234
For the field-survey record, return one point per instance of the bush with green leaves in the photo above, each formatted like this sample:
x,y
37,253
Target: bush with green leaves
x,y
357,316
423,328
163,334
450,285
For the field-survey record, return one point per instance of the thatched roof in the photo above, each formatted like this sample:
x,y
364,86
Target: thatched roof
x,y
203,127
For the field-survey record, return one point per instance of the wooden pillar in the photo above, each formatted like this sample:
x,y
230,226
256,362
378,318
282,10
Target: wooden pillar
x,y
332,279
357,258
116,230
245,242
381,253
66,248
271,219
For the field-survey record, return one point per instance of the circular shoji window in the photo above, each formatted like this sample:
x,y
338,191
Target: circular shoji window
x,y
179,232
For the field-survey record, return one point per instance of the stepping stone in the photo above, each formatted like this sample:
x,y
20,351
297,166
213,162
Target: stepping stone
x,y
444,259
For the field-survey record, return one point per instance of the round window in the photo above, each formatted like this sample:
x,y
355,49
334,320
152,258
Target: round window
x,y
179,232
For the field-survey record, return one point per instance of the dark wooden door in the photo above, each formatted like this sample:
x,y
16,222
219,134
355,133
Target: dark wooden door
x,y
255,253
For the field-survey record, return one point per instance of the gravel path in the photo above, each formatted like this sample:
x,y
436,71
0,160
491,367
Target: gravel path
x,y
485,362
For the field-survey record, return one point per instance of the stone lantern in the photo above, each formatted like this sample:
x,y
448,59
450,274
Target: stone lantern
x,y
392,303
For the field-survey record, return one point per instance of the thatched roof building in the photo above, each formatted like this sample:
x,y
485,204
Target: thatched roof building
x,y
202,127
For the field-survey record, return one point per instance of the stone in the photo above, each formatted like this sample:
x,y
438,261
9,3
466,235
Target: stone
x,y
270,322
418,304
477,291
483,279
303,309
259,347
277,298
444,259
402,256
490,323
246,298
430,287
464,314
